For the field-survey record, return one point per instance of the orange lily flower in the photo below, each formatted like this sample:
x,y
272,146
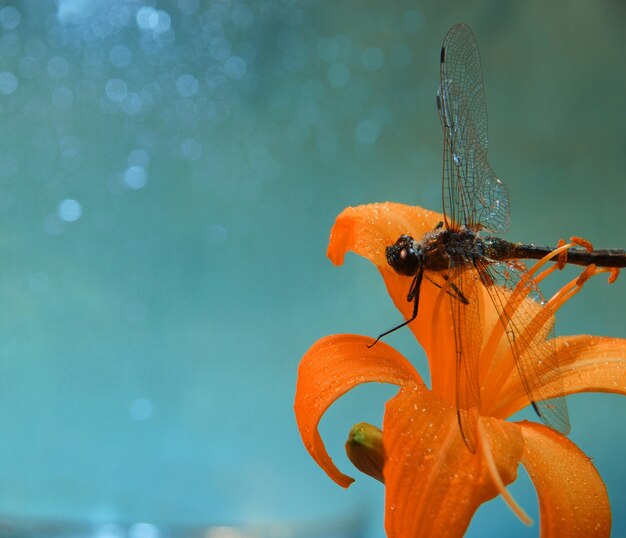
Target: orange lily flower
x,y
434,484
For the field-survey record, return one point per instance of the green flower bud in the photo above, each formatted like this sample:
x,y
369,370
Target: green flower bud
x,y
365,449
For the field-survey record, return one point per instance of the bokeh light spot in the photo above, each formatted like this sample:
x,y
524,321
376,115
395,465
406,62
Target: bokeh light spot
x,y
235,67
219,49
120,56
119,15
57,67
327,49
69,210
191,150
242,16
140,409
29,67
367,132
187,85
372,58
135,177
8,82
188,7
138,157
143,530
10,18
63,98
338,75
116,89
413,22
216,235
132,104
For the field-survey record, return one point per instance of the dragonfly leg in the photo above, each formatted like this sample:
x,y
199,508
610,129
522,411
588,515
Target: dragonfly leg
x,y
454,292
459,294
414,296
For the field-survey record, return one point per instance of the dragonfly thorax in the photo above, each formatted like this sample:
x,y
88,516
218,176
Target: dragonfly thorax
x,y
434,251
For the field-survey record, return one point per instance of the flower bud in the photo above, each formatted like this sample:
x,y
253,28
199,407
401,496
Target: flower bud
x,y
365,449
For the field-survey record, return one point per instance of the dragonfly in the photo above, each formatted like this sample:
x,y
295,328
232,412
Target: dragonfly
x,y
463,252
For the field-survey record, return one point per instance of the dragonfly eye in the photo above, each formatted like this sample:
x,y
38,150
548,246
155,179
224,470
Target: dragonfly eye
x,y
403,256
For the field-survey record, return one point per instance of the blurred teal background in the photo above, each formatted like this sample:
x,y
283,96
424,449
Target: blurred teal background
x,y
169,173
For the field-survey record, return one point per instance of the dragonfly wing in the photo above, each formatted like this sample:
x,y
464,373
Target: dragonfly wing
x,y
472,194
528,324
467,336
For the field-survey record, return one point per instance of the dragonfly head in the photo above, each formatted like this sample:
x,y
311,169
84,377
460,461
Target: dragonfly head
x,y
405,256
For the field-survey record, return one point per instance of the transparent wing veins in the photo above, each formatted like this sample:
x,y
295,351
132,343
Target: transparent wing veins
x,y
473,195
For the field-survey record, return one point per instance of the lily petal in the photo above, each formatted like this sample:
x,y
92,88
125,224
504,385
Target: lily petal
x,y
433,483
587,364
329,369
367,230
572,497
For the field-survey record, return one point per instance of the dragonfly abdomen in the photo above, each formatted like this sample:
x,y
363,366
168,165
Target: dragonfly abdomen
x,y
500,249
